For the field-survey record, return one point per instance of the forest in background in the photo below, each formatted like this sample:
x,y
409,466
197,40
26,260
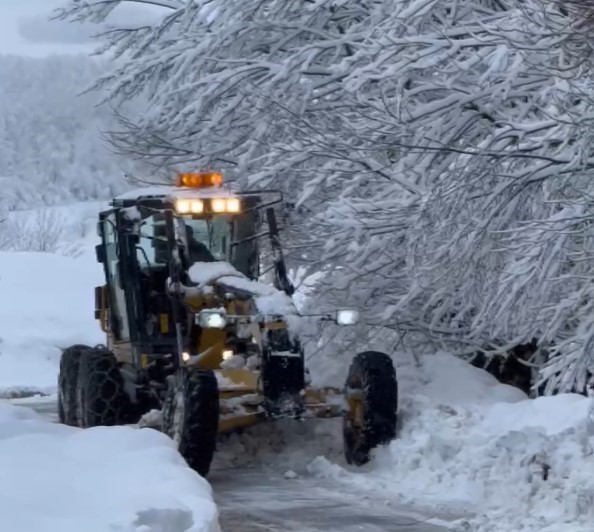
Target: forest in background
x,y
51,145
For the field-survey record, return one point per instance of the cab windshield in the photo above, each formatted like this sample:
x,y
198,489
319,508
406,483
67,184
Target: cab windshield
x,y
206,240
203,240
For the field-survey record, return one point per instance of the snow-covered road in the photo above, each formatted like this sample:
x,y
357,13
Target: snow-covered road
x,y
252,500
256,499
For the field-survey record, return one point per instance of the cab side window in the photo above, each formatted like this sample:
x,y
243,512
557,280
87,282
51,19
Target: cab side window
x,y
117,299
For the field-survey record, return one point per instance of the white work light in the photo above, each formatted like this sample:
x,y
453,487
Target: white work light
x,y
185,206
347,317
218,205
233,205
212,319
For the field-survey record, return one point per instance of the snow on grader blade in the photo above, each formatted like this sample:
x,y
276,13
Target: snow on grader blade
x,y
190,330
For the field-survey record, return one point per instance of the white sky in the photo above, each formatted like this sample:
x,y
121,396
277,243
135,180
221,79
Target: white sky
x,y
25,28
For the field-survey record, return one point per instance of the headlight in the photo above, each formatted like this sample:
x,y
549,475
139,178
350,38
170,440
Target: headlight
x,y
185,206
218,205
209,319
347,317
231,205
182,206
196,206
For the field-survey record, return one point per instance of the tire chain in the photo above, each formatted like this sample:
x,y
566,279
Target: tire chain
x,y
100,389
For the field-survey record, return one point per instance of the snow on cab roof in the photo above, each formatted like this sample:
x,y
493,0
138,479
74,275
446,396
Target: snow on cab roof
x,y
169,191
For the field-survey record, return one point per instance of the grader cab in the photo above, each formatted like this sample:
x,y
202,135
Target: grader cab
x,y
193,331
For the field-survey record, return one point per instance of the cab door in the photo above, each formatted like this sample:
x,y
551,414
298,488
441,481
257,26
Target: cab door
x,y
118,322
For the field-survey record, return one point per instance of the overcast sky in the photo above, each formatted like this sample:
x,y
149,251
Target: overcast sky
x,y
25,28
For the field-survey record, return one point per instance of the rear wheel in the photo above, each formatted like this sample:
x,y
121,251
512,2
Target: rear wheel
x,y
372,397
67,384
100,394
191,416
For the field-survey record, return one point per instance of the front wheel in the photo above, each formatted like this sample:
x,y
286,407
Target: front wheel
x,y
191,416
372,397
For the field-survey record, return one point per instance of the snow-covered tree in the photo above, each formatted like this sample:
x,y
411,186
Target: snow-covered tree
x,y
441,148
495,249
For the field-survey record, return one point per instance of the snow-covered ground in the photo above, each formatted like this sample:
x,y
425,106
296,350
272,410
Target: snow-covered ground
x,y
46,303
107,479
46,298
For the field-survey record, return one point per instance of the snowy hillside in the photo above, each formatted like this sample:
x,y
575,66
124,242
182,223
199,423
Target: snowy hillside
x,y
38,319
46,298
51,147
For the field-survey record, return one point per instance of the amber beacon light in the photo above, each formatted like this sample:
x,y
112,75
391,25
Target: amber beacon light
x,y
199,179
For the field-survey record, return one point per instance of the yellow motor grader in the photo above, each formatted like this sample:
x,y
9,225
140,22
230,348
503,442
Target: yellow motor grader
x,y
191,330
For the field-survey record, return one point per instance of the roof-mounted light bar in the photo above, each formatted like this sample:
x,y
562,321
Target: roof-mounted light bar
x,y
199,179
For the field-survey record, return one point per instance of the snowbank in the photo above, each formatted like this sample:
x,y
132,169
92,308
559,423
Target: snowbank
x,y
472,445
106,479
46,303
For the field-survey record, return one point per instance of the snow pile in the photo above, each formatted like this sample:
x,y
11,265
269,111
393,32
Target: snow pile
x,y
46,303
203,273
106,479
472,445
268,299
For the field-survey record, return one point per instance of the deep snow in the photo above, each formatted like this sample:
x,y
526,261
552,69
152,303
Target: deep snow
x,y
106,479
47,299
46,303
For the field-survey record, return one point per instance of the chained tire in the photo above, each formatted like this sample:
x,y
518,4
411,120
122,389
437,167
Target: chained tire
x,y
100,394
191,416
372,396
67,384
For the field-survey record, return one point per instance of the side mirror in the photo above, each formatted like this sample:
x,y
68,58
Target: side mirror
x,y
347,317
100,253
